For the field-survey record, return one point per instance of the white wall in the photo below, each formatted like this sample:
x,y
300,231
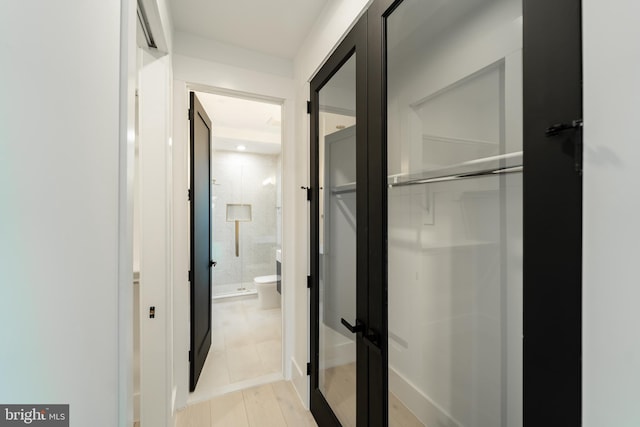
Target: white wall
x,y
611,291
229,76
155,220
181,247
155,240
64,260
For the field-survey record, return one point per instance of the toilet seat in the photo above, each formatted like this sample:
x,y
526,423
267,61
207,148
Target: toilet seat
x,y
266,279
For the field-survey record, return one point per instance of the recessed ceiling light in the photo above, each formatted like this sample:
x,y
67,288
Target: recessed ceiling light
x,y
241,148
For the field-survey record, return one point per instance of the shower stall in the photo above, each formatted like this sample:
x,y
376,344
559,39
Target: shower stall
x,y
244,215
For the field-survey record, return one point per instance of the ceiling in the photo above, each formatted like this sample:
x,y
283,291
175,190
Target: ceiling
x,y
241,122
274,27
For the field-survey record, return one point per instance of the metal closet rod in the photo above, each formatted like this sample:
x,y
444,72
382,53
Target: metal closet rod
x,y
455,177
444,178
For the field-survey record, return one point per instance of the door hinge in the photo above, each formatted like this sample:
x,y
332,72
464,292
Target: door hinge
x,y
189,194
309,282
575,125
308,107
190,276
189,113
189,355
309,368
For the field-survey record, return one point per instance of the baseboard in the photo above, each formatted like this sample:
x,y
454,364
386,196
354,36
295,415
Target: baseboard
x,y
300,382
425,409
174,395
136,406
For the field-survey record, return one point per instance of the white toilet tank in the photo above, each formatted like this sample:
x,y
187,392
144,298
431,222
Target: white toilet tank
x,y
268,296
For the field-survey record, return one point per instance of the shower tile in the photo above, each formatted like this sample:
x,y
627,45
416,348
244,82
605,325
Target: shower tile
x,y
217,341
246,344
250,304
238,335
259,315
219,372
270,353
244,363
214,374
267,331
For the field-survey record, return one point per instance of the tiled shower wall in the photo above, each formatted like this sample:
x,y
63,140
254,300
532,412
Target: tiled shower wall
x,y
244,178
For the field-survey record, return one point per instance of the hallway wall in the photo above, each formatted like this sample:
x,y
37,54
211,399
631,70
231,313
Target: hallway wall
x,y
611,290
63,152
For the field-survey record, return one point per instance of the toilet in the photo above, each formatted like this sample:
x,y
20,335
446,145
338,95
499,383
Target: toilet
x,y
268,296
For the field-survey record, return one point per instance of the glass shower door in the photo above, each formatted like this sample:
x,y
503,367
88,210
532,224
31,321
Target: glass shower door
x,y
454,158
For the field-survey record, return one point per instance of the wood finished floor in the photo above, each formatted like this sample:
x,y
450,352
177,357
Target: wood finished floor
x,y
246,344
339,388
269,405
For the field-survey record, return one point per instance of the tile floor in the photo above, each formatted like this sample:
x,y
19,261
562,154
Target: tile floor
x,y
268,405
246,345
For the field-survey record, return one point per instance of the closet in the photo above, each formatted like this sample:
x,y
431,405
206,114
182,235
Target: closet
x,y
446,143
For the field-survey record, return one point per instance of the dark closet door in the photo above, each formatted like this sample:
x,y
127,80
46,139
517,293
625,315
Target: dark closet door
x,y
200,273
465,276
552,212
475,151
341,341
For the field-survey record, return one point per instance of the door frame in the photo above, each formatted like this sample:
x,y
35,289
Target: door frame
x,y
353,44
181,124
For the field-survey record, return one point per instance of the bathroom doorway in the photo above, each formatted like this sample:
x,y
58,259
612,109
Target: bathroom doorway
x,y
246,216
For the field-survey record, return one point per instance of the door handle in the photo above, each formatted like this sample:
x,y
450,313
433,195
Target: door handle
x,y
577,126
359,327
213,263
372,340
